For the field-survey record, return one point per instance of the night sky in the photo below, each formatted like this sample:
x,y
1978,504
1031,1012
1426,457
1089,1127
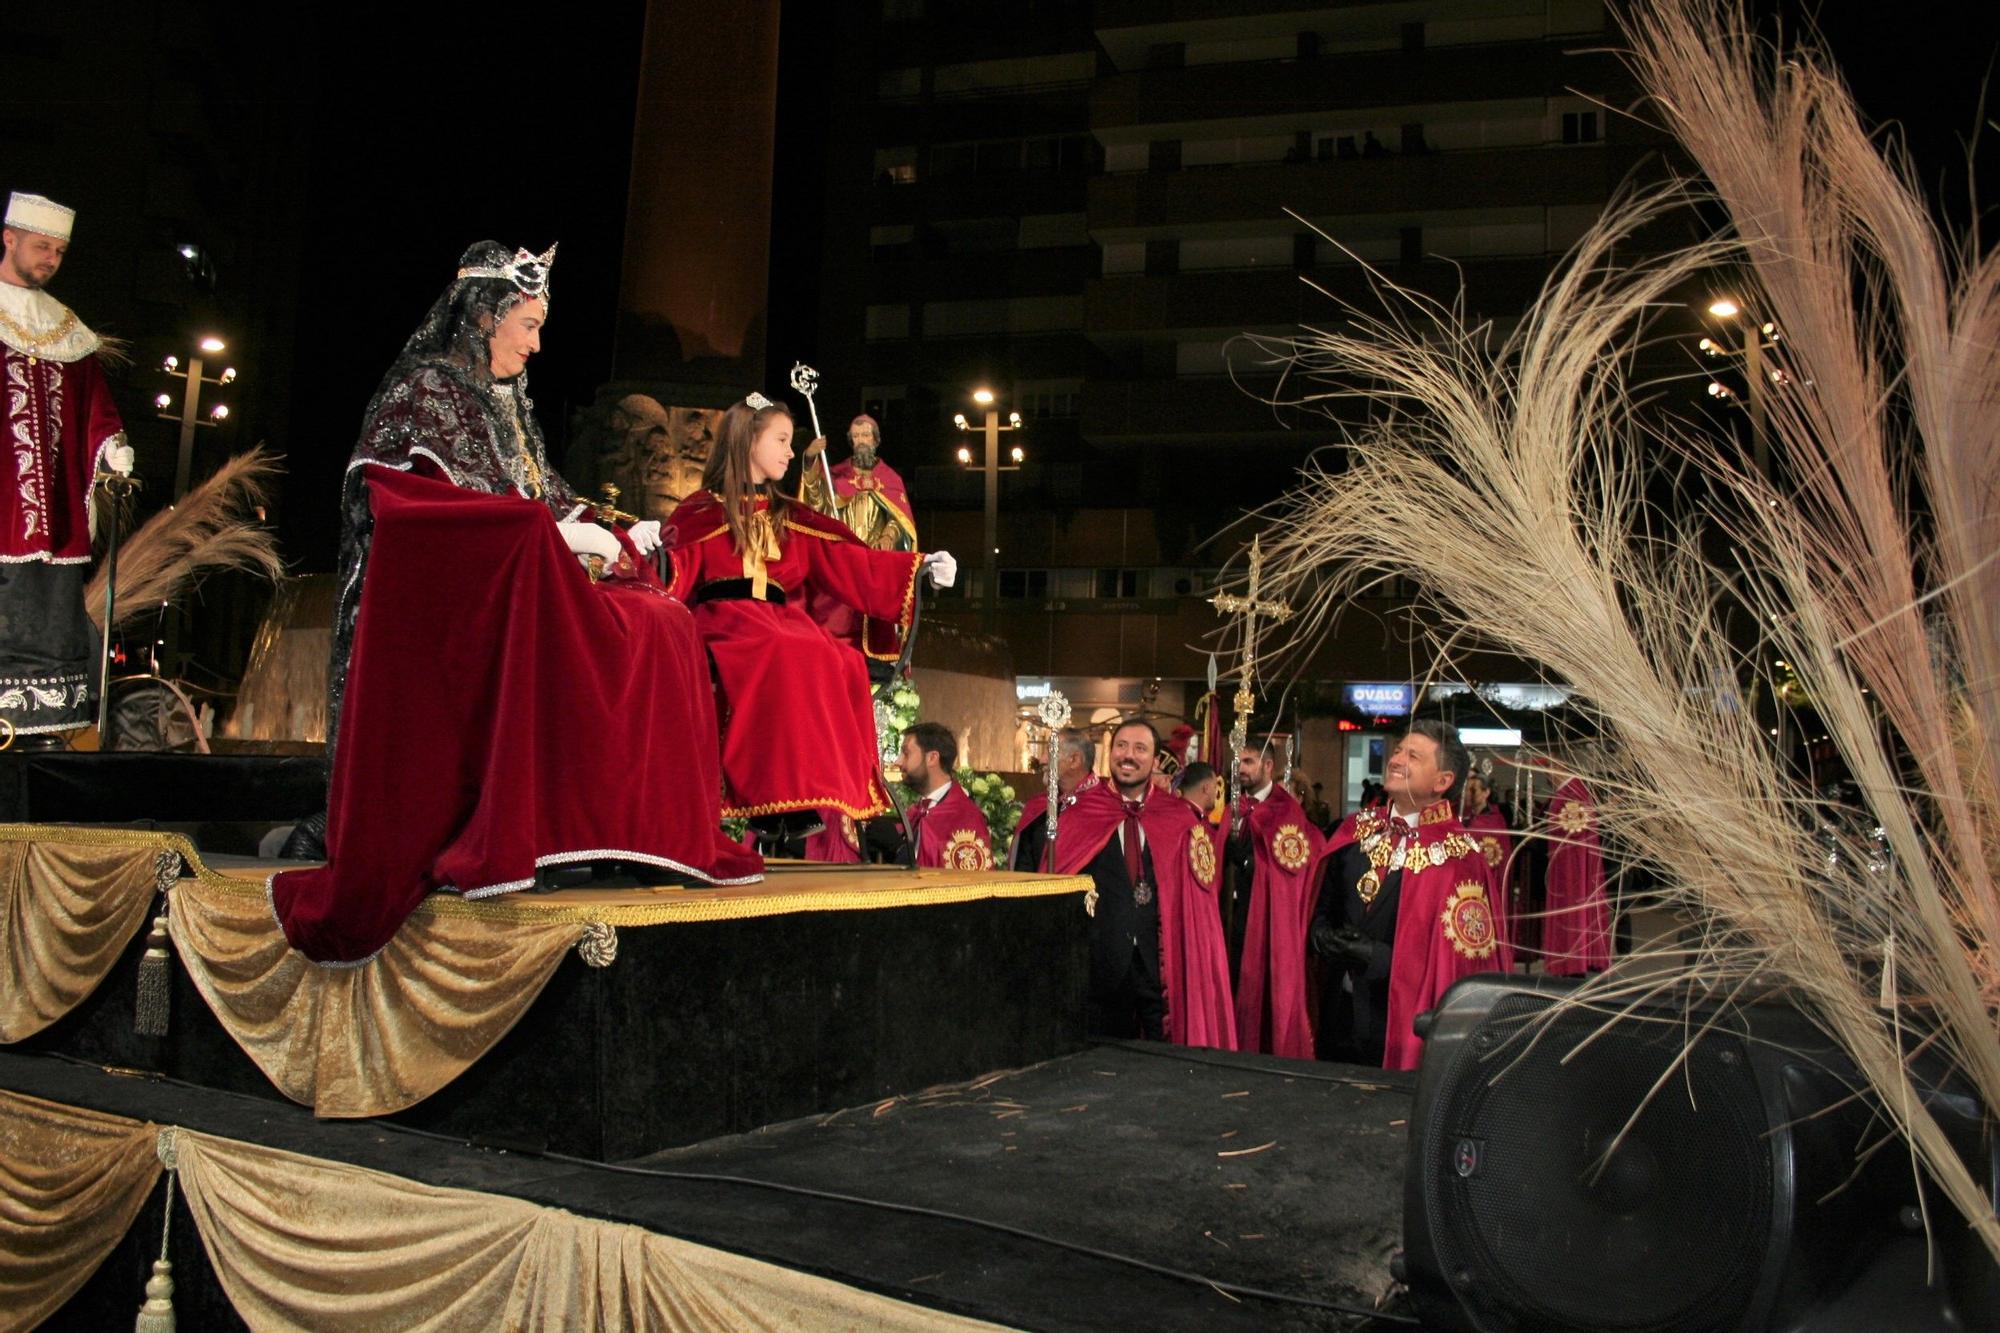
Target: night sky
x,y
422,131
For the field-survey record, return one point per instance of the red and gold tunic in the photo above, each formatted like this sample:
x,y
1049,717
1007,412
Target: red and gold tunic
x,y
60,419
798,727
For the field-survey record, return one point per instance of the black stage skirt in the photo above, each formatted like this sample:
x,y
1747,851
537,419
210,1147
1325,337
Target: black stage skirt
x,y
48,648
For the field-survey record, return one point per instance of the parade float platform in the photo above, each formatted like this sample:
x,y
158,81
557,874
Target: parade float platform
x,y
852,1097
605,1022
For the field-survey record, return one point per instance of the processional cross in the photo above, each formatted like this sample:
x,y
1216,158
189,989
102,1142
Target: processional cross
x,y
1250,606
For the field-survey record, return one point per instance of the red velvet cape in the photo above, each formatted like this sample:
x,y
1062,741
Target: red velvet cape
x,y
953,835
1194,959
503,712
796,716
1445,927
1576,922
839,843
1271,1012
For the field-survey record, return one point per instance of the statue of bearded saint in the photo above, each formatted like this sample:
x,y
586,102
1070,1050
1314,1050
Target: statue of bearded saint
x,y
867,494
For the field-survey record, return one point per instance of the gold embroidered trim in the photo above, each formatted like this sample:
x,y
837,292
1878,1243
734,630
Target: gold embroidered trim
x,y
63,329
808,803
1435,813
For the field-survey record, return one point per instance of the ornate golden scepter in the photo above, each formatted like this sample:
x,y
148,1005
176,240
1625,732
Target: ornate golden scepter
x,y
1249,606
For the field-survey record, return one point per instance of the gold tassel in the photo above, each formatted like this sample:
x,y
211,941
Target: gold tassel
x,y
155,991
157,1314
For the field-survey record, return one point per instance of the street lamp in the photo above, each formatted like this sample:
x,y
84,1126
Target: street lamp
x,y
1756,338
190,416
992,467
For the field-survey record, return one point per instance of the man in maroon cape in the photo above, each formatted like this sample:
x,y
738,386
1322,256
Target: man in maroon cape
x,y
1076,756
1157,965
1403,911
947,829
1271,1012
1576,924
1487,824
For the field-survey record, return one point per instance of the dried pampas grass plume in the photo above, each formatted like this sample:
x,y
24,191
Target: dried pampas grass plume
x,y
1516,478
212,528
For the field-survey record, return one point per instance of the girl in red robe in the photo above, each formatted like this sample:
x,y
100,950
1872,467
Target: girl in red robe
x,y
797,722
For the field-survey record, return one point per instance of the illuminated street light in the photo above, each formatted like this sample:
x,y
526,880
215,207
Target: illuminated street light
x,y
990,428
191,414
1724,308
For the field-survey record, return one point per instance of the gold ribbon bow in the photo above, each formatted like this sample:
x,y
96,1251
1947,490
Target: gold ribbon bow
x,y
760,545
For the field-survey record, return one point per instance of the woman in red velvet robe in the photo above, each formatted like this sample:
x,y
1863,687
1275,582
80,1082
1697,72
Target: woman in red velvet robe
x,y
797,722
499,717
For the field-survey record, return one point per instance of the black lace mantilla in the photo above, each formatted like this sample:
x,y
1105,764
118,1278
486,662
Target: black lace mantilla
x,y
440,402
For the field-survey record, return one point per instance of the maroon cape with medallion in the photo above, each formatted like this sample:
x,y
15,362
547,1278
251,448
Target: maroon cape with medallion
x,y
839,843
502,713
1445,926
1271,1012
1576,923
1489,829
952,834
797,718
1194,960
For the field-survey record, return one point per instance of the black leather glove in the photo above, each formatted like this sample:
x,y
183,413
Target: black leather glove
x,y
1326,939
1353,948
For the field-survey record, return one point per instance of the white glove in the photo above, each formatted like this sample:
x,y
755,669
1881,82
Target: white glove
x,y
645,535
119,458
944,569
589,539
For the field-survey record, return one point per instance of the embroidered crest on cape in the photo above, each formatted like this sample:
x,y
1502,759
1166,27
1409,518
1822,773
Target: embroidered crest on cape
x,y
1574,817
1468,921
964,851
1291,846
1201,856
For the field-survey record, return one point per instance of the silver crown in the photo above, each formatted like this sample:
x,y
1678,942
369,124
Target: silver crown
x,y
757,402
528,272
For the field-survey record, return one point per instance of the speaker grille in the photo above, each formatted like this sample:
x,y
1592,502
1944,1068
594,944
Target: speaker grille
x,y
1536,1229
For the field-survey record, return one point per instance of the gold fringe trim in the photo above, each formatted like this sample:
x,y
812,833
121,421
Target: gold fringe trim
x,y
809,803
641,907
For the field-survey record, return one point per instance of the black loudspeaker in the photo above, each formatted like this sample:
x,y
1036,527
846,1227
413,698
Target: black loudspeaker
x,y
1735,1201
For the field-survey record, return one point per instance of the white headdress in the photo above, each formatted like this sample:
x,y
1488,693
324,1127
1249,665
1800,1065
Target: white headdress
x,y
44,217
756,402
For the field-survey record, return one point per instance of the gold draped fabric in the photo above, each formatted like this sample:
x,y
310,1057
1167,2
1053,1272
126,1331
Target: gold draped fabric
x,y
382,1036
71,1181
302,1242
366,1040
68,907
